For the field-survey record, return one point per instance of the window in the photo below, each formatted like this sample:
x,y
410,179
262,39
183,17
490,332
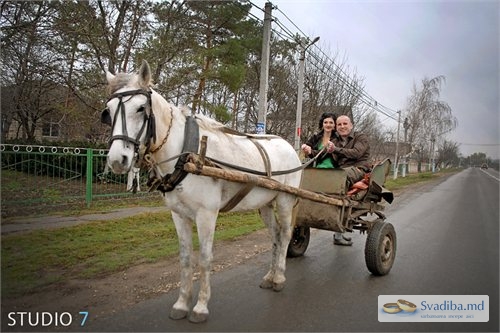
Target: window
x,y
50,129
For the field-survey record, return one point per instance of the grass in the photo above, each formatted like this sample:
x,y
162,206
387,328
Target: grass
x,y
395,184
40,258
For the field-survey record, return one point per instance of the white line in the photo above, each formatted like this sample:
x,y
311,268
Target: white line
x,y
497,179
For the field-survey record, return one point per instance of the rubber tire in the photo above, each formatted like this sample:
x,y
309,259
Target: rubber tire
x,y
380,248
299,242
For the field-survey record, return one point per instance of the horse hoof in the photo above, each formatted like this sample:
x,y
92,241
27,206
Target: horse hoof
x,y
278,286
177,314
266,284
196,317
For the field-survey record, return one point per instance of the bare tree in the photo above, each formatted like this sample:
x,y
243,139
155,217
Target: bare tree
x,y
118,29
448,154
428,117
203,52
26,55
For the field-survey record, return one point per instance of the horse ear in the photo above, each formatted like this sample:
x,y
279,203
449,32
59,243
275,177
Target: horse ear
x,y
110,77
145,73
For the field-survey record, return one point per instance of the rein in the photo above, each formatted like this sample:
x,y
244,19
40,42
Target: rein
x,y
221,164
191,142
261,173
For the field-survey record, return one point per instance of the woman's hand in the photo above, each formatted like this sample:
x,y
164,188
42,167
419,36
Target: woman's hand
x,y
306,149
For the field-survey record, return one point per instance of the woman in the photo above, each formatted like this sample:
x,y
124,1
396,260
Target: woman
x,y
314,145
322,139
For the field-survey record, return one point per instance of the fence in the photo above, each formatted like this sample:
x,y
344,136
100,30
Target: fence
x,y
42,176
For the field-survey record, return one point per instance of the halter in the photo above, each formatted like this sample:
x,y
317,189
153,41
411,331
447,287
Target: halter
x,y
148,123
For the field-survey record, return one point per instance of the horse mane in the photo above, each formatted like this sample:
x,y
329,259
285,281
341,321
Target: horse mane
x,y
206,122
122,80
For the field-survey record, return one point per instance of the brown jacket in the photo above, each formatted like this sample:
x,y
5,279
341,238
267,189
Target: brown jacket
x,y
355,151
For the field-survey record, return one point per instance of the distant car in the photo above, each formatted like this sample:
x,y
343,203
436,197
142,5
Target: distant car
x,y
484,166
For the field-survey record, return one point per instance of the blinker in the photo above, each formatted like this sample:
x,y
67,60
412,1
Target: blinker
x,y
106,117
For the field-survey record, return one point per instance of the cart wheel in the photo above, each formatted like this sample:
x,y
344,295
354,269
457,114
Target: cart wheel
x,y
299,242
380,248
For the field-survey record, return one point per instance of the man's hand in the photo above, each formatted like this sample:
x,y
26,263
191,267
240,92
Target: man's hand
x,y
330,147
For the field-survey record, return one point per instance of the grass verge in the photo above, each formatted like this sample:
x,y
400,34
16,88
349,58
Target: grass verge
x,y
39,258
414,178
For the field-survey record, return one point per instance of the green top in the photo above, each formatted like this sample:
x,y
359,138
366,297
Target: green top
x,y
327,163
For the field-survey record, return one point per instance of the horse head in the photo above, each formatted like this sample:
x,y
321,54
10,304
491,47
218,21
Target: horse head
x,y
130,115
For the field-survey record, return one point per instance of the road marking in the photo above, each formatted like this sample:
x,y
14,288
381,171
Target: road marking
x,y
497,179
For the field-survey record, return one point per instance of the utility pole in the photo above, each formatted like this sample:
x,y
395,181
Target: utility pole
x,y
431,159
264,70
406,126
397,147
300,90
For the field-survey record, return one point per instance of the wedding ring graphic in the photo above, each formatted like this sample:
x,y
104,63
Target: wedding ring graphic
x,y
406,306
392,308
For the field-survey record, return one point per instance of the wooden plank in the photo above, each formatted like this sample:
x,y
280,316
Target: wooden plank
x,y
240,177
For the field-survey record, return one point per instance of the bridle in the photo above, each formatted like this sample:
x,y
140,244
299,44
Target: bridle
x,y
148,124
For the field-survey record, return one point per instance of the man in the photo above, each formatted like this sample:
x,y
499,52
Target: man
x,y
351,152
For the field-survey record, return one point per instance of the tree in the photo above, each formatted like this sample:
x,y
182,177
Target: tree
x,y
328,89
88,50
428,117
203,53
26,59
448,154
221,29
477,159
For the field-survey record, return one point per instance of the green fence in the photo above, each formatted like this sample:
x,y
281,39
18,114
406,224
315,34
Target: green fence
x,y
43,176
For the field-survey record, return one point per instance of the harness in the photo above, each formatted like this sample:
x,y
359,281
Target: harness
x,y
171,180
148,123
167,183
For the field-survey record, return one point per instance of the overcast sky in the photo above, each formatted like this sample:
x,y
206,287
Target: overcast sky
x,y
395,44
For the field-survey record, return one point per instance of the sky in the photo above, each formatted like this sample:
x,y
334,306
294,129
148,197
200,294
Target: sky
x,y
394,44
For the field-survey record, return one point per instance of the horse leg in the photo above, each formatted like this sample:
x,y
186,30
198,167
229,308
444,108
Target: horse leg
x,y
205,224
284,207
267,215
184,230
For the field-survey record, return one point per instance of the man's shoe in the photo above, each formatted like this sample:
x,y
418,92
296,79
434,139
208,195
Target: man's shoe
x,y
347,238
342,241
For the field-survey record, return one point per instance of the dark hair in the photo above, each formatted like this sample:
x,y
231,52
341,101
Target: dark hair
x,y
327,115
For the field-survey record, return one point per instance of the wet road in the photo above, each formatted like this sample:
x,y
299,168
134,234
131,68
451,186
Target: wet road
x,y
448,244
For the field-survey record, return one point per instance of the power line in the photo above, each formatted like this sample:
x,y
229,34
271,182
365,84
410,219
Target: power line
x,y
279,10
341,76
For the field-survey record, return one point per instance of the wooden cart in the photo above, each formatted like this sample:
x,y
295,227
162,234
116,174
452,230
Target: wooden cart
x,y
361,211
323,203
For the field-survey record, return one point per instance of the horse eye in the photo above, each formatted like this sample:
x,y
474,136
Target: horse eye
x,y
141,109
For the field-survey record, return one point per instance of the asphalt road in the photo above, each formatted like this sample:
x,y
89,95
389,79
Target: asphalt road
x,y
448,244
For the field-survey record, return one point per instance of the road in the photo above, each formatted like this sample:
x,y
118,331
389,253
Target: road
x,y
448,244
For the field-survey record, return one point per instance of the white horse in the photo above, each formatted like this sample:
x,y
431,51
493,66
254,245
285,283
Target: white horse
x,y
145,124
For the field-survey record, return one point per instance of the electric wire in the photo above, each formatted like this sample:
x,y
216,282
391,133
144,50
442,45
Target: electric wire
x,y
340,75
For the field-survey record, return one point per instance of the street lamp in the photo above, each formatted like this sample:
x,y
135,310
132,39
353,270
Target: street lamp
x,y
298,120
